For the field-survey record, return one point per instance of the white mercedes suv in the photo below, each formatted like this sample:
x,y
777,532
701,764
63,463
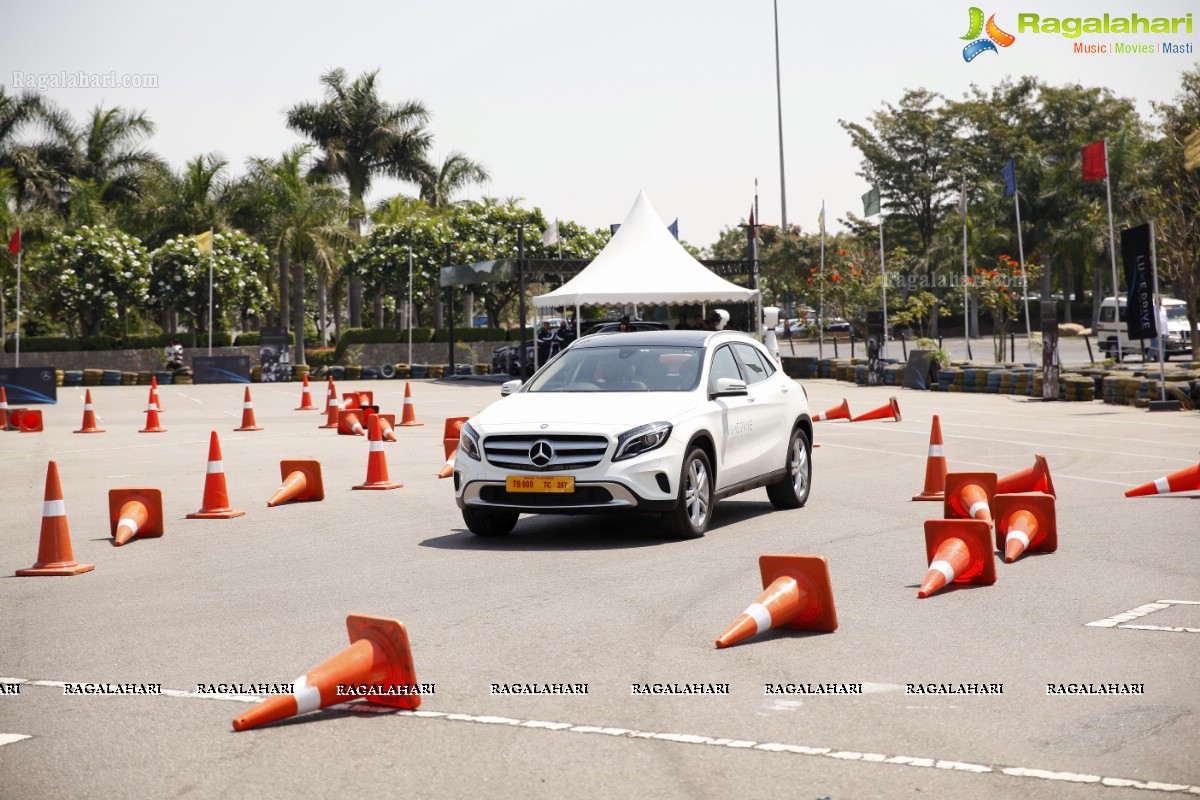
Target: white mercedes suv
x,y
666,422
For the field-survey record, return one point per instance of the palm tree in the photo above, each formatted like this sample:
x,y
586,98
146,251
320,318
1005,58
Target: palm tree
x,y
362,137
183,203
108,153
439,184
40,170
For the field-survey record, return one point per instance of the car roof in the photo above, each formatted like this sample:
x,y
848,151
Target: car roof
x,y
651,338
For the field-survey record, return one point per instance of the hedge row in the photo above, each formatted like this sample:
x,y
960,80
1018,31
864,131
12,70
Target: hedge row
x,y
60,344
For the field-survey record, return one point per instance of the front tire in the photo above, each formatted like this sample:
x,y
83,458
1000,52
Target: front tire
x,y
482,522
691,516
792,491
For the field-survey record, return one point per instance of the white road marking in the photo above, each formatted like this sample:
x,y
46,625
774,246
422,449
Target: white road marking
x,y
9,738
1120,620
732,744
195,400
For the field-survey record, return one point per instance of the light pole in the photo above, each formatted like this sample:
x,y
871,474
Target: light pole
x,y
779,109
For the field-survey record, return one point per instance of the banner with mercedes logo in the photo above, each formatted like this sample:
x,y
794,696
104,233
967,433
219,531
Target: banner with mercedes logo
x,y
1139,308
29,384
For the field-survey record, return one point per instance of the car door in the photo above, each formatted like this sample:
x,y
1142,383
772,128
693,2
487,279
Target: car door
x,y
768,407
736,453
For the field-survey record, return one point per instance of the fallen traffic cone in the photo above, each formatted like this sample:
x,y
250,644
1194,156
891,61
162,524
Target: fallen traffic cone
x,y
248,423
450,437
3,409
377,471
306,403
1025,522
13,423
301,482
409,418
377,664
216,496
386,424
935,465
29,420
1031,479
331,419
957,551
890,411
134,512
348,423
89,416
837,412
357,399
154,393
55,556
969,495
797,595
152,423
1185,480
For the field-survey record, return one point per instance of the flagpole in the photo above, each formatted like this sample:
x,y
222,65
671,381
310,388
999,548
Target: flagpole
x,y
212,257
1021,259
821,292
410,292
17,337
779,110
1112,245
558,238
757,286
883,283
962,209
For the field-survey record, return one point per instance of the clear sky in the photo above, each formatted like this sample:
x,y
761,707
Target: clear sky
x,y
576,106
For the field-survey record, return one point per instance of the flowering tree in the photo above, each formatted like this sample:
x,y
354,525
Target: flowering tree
x,y
90,276
850,288
179,277
998,290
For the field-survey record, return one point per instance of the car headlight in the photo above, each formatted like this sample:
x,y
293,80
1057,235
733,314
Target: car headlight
x,y
641,439
468,441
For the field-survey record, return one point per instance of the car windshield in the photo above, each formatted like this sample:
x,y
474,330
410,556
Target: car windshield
x,y
616,368
1176,312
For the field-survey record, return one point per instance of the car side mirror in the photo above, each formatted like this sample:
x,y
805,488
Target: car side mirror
x,y
508,387
728,387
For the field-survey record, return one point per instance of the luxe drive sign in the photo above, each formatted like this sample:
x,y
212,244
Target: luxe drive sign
x,y
1139,277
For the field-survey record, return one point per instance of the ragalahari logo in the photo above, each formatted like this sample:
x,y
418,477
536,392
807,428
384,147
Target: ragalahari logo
x,y
995,36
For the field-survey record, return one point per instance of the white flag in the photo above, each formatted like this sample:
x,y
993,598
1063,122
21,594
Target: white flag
x,y
551,235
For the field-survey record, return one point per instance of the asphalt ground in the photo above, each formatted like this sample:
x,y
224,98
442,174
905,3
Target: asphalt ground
x,y
606,601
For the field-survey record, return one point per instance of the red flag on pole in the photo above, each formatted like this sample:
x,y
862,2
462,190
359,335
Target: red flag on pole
x,y
14,244
1095,162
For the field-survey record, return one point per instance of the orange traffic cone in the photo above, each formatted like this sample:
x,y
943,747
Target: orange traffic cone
x,y
450,437
89,416
969,495
1185,480
29,420
837,412
330,395
797,595
935,465
377,471
134,512
216,497
890,411
378,664
248,423
306,403
357,399
152,423
331,419
301,482
387,422
409,418
3,409
1025,522
349,424
55,556
957,551
1031,479
154,393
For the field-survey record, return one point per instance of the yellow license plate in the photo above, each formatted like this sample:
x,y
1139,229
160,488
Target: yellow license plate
x,y
564,484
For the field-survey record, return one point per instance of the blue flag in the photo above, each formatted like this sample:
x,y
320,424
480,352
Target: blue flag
x,y
1009,173
674,228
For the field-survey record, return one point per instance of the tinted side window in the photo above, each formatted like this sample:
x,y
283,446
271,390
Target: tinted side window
x,y
724,365
1106,314
752,366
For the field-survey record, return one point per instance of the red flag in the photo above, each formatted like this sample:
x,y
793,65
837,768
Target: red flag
x,y
1095,162
14,244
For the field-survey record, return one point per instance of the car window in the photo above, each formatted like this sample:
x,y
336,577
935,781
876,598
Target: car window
x,y
1106,314
752,365
724,365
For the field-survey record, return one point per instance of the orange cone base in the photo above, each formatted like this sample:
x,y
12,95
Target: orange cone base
x,y
91,430
1031,479
73,568
379,485
964,546
301,483
28,420
216,513
391,667
956,506
890,411
935,496
815,610
150,501
249,428
1013,534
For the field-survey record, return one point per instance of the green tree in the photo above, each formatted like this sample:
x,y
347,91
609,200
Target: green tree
x,y
440,183
362,136
40,170
109,154
179,279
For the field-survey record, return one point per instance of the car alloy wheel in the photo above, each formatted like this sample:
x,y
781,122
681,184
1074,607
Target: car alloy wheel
x,y
792,491
691,517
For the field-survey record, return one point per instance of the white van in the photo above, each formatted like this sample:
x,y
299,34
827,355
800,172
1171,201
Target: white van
x,y
1111,330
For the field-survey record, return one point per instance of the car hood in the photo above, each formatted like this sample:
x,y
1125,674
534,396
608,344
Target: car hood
x,y
591,410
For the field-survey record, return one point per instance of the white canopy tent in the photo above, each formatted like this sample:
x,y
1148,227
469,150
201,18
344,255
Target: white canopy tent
x,y
644,264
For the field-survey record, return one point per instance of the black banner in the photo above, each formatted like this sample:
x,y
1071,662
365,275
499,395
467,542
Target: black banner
x,y
29,384
1139,308
221,369
274,355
